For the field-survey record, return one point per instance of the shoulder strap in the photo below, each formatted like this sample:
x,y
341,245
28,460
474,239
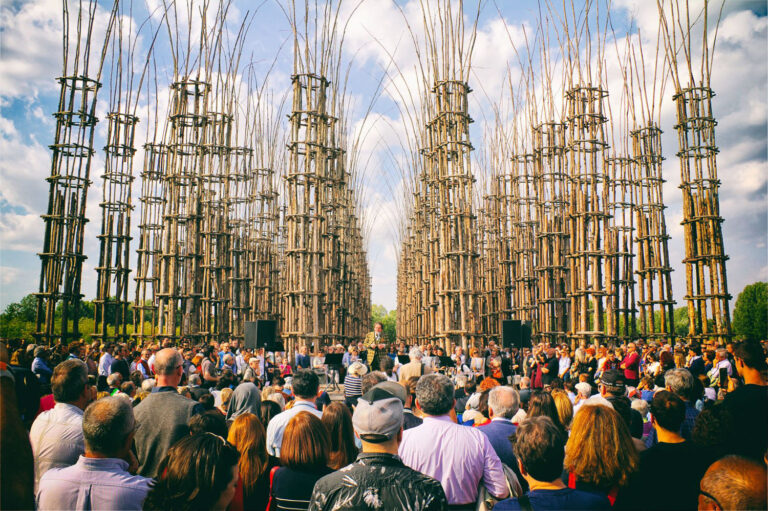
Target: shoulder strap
x,y
525,503
571,480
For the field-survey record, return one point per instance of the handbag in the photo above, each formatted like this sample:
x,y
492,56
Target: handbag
x,y
486,501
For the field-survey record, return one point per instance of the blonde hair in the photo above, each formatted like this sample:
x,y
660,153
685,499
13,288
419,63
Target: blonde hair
x,y
600,450
249,438
564,407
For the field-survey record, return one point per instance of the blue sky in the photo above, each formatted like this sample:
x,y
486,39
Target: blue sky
x,y
30,59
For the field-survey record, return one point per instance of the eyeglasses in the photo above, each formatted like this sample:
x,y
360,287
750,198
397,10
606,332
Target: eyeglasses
x,y
712,498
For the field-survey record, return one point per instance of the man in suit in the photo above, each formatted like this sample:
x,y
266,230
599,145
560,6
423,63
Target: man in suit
x,y
503,404
374,344
696,362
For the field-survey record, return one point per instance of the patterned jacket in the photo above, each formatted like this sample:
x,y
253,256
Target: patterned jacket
x,y
377,481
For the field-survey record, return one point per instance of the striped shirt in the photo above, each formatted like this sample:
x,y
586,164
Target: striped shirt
x,y
353,386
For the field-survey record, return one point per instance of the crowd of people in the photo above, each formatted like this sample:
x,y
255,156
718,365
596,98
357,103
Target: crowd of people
x,y
185,426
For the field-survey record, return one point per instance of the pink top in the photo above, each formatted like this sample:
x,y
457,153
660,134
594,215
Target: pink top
x,y
457,456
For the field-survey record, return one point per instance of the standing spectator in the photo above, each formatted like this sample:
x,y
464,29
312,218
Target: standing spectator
x,y
564,363
338,421
583,392
100,479
305,385
721,361
353,383
304,460
57,435
248,436
670,471
40,366
143,364
410,420
105,362
550,367
599,456
209,367
195,388
414,367
681,383
503,404
245,399
695,361
734,483
748,404
164,414
120,363
207,483
539,448
457,456
631,365
302,358
378,479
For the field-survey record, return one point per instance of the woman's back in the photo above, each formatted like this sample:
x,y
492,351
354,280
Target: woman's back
x,y
292,488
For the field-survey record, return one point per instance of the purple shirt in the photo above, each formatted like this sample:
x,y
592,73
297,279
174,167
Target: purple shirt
x,y
457,456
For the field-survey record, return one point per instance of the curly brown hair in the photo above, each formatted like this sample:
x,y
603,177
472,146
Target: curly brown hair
x,y
600,450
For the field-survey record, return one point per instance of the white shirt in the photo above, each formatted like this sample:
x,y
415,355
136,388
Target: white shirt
x,y
57,438
277,425
105,362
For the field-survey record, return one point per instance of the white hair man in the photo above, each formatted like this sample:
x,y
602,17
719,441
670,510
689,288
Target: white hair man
x,y
414,367
503,405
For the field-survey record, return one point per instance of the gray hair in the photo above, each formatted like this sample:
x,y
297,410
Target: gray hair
x,y
641,405
525,382
114,379
228,358
461,381
167,360
584,388
680,382
107,423
416,353
194,379
69,380
580,355
434,392
148,384
504,401
371,379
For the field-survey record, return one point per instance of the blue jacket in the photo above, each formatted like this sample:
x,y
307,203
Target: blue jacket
x,y
498,432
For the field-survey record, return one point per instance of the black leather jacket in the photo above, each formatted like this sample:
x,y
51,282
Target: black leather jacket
x,y
378,481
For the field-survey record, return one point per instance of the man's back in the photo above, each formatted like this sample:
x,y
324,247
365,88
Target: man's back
x,y
57,438
92,483
413,368
457,456
498,432
555,500
277,425
748,405
377,481
668,477
163,417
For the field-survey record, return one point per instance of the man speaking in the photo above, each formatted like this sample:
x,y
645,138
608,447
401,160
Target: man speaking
x,y
375,344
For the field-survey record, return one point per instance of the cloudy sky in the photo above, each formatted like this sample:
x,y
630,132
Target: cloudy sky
x,y
30,60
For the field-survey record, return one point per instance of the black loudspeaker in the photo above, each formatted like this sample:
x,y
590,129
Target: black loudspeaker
x,y
510,333
262,333
515,334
